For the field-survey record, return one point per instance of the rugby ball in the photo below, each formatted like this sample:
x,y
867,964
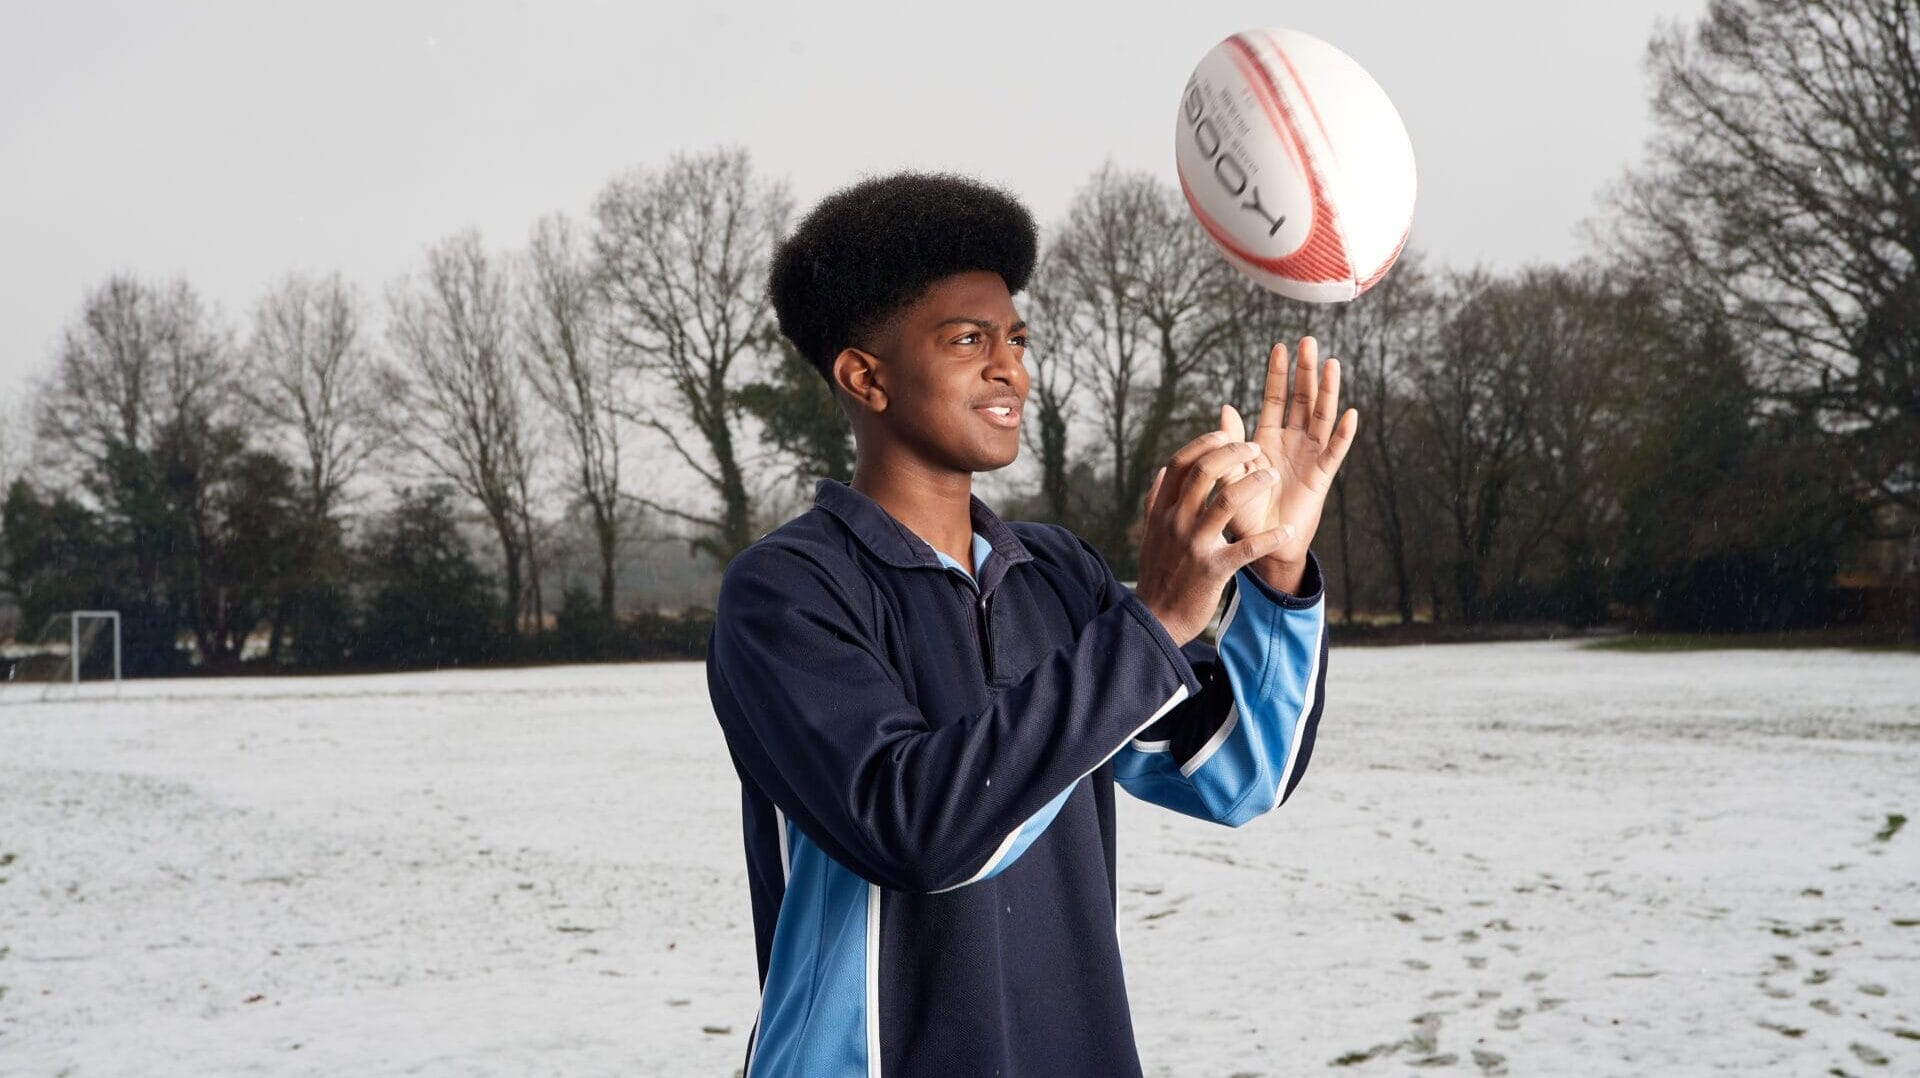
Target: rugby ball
x,y
1295,164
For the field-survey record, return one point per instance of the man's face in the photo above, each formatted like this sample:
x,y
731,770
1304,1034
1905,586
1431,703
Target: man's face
x,y
954,355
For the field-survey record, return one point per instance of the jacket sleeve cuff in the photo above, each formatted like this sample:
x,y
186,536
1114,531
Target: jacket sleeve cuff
x,y
1313,586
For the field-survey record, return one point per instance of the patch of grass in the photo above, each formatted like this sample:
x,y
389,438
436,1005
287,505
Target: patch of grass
x,y
1895,822
1856,638
1362,1055
1868,1054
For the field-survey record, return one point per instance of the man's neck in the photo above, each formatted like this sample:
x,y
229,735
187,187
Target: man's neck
x,y
934,505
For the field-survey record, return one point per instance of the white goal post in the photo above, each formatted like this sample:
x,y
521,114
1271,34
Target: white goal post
x,y
76,652
65,643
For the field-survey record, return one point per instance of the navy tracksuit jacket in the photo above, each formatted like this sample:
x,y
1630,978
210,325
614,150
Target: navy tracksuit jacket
x,y
927,761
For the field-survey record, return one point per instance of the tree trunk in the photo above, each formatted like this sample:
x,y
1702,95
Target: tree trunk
x,y
510,563
1346,552
1053,461
1402,580
276,630
736,516
606,532
535,602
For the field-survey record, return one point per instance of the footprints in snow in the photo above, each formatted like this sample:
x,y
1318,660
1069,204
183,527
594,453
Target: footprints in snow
x,y
1834,997
1421,1048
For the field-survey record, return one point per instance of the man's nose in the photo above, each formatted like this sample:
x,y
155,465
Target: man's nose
x,y
1007,366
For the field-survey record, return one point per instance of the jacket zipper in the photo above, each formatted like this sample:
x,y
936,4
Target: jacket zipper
x,y
986,634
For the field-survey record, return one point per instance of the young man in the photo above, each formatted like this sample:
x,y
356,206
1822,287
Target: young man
x,y
929,707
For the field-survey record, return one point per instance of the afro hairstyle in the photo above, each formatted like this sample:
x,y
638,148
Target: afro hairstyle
x,y
869,250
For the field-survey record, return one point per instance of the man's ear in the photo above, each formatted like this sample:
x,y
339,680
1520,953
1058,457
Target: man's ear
x,y
857,373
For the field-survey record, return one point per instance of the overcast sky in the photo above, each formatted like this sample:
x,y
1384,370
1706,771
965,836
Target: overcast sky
x,y
233,142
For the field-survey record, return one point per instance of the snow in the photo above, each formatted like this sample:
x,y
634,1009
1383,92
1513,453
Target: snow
x,y
1506,858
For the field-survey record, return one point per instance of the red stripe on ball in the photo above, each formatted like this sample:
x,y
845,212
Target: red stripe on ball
x,y
1323,257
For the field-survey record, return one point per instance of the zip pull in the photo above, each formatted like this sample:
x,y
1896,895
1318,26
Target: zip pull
x,y
986,634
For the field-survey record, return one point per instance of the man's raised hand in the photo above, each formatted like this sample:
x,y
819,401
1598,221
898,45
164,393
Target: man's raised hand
x,y
1185,560
1304,436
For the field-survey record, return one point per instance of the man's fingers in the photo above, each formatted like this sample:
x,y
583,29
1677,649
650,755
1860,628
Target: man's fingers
x,y
1236,429
1154,489
1233,496
1211,468
1340,442
1231,422
1184,456
1273,400
1326,407
1256,546
1300,404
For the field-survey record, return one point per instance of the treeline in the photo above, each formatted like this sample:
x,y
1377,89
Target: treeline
x,y
1693,429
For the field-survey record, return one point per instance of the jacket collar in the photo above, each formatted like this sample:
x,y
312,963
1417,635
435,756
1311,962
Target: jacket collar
x,y
893,543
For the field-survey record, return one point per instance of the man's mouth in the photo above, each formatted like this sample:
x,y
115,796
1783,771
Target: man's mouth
x,y
1006,416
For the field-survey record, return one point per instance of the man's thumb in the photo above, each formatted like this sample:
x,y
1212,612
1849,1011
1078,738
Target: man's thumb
x,y
1231,422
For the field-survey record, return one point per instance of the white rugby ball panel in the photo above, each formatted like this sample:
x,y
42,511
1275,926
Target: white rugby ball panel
x,y
1242,173
1295,164
1252,180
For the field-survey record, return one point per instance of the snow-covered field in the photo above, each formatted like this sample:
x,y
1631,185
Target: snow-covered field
x,y
1519,858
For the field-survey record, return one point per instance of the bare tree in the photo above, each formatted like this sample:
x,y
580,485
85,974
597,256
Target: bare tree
x,y
461,393
1135,283
684,251
1475,403
137,412
311,376
1576,336
1053,380
139,357
15,448
1784,188
574,363
14,464
1523,402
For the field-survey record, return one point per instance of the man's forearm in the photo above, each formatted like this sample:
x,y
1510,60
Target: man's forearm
x,y
1281,576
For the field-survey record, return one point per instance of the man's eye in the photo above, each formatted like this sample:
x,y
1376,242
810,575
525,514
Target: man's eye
x,y
1018,340
967,338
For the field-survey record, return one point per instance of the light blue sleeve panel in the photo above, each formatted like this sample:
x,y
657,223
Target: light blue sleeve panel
x,y
1232,767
